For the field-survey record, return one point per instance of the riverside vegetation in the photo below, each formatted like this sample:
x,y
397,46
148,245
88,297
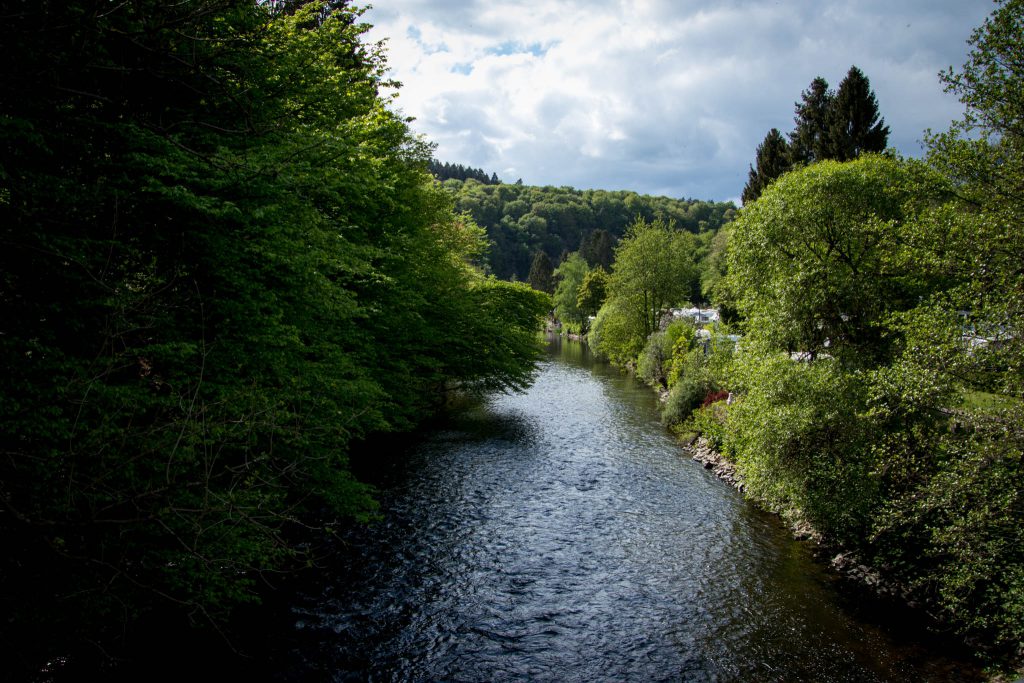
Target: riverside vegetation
x,y
878,388
223,263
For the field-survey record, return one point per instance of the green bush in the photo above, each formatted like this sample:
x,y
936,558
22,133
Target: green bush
x,y
685,396
655,362
696,369
958,538
710,423
650,364
798,439
616,334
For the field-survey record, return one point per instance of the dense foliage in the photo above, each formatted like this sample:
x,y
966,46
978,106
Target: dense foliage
x,y
570,276
879,385
655,266
522,220
817,264
222,262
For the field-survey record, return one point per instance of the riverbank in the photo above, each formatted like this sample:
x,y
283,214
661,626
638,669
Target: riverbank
x,y
839,559
844,562
847,564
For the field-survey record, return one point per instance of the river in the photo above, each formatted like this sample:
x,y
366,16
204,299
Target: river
x,y
561,535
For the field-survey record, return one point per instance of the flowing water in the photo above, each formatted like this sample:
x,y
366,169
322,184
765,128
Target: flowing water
x,y
561,535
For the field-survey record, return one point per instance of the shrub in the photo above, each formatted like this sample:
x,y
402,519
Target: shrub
x,y
799,441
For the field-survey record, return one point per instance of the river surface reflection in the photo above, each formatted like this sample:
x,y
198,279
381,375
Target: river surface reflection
x,y
561,535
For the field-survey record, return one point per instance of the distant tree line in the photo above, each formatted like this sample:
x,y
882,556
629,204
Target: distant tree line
x,y
522,221
838,125
447,171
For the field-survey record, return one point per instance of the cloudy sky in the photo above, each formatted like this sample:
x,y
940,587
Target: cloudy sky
x,y
658,96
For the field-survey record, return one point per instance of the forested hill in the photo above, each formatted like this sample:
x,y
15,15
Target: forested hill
x,y
522,220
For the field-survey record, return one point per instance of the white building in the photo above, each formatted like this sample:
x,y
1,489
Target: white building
x,y
699,316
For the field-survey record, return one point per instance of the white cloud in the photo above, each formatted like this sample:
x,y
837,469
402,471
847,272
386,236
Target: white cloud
x,y
654,95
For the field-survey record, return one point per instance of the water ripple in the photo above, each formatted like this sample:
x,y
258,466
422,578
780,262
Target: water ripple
x,y
559,535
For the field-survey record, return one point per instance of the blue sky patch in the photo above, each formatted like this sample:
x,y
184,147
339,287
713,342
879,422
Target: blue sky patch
x,y
512,47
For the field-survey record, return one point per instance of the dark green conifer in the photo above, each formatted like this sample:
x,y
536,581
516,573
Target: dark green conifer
x,y
807,141
598,248
542,272
854,125
771,162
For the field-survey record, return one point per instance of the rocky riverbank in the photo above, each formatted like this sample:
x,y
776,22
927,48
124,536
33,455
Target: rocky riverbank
x,y
846,563
843,561
712,460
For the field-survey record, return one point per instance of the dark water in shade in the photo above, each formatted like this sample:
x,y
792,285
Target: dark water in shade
x,y
561,535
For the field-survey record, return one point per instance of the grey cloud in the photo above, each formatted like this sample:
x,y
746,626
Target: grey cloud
x,y
689,107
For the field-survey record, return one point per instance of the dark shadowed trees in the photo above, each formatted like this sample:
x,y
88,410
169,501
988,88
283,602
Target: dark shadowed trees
x,y
542,273
807,141
854,124
222,262
772,160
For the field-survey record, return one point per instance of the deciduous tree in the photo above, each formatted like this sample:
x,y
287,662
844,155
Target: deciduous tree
x,y
814,262
569,277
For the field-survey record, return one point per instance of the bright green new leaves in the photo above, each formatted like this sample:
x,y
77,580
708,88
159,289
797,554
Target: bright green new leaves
x,y
908,441
592,291
569,277
654,269
816,264
797,439
952,399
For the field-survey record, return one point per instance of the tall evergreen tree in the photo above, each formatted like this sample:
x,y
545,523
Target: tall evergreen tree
x,y
598,248
542,273
854,125
840,126
807,141
771,162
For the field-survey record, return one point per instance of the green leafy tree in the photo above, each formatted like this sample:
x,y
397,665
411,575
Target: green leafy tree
x,y
799,440
771,161
570,276
814,262
617,332
223,262
956,509
654,269
592,292
521,220
713,282
854,124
